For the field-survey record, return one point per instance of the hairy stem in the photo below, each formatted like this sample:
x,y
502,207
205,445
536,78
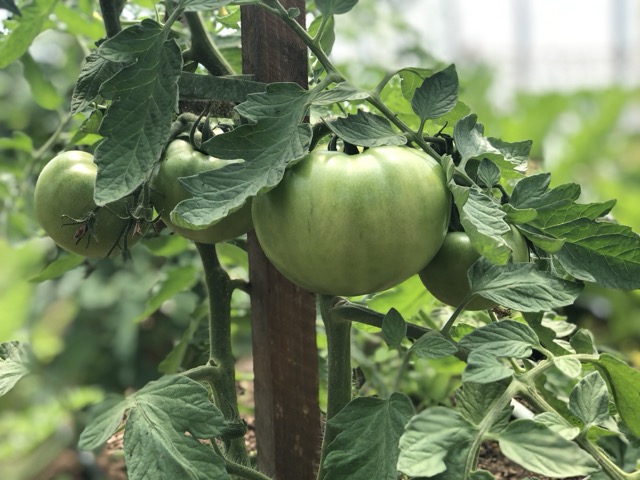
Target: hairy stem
x,y
223,381
203,50
339,385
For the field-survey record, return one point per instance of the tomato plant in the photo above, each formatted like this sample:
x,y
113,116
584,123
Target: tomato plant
x,y
446,275
348,223
182,160
66,211
345,224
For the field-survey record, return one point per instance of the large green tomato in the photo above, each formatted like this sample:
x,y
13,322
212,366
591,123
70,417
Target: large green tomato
x,y
181,160
446,275
344,224
65,208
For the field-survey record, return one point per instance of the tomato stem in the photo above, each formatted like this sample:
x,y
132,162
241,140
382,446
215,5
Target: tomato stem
x,y
339,384
203,49
222,375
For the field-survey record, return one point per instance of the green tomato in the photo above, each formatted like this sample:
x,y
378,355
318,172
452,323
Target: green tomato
x,y
344,224
65,208
181,160
446,275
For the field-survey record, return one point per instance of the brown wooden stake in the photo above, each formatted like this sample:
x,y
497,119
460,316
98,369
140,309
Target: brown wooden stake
x,y
285,357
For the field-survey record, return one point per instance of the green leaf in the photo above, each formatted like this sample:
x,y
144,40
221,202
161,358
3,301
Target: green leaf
x,y
342,92
198,5
13,365
437,95
335,7
533,192
10,6
545,242
429,437
521,286
175,280
624,382
61,265
138,121
538,449
267,148
482,475
155,444
104,420
604,253
209,87
394,328
475,401
488,174
583,342
42,90
570,366
558,425
94,73
589,400
516,215
367,130
484,367
506,338
433,345
366,446
24,30
328,35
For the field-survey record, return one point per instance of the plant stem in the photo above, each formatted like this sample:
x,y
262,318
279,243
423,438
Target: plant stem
x,y
339,385
111,10
353,312
223,382
454,316
203,49
240,471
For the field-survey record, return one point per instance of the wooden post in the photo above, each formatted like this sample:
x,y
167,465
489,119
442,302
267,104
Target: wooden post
x,y
285,358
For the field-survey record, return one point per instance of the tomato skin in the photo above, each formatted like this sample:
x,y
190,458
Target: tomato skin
x,y
65,187
343,224
446,275
181,160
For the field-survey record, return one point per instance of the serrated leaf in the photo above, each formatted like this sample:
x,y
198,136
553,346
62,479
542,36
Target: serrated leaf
x,y
175,280
433,345
516,215
429,437
604,253
506,338
570,366
533,192
23,30
155,443
198,5
104,420
483,367
625,387
342,92
335,7
13,365
538,449
521,286
267,148
366,129
558,425
545,242
589,400
583,342
437,95
394,328
475,400
61,265
138,121
488,174
366,445
411,78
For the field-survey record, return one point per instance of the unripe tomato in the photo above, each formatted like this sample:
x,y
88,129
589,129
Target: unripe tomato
x,y
64,208
446,275
344,224
181,160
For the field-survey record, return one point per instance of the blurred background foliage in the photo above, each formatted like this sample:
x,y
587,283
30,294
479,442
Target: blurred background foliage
x,y
111,326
